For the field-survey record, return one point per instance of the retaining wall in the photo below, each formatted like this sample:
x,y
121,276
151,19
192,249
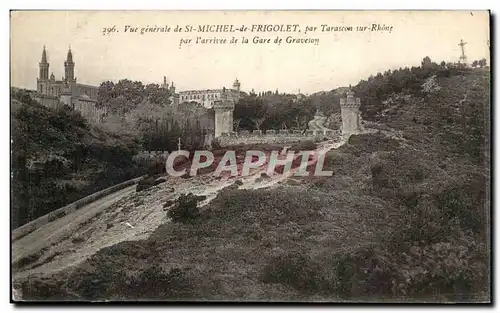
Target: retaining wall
x,y
65,210
273,137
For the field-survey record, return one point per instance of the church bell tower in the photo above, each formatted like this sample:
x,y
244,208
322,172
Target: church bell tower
x,y
44,66
43,74
69,68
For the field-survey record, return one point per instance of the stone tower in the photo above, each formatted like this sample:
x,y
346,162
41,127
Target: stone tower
x,y
69,68
237,93
172,88
43,75
236,85
223,114
351,121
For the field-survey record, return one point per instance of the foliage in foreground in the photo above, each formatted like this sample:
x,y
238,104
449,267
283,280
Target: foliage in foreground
x,y
58,158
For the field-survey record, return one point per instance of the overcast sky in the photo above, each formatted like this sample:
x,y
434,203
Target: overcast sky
x,y
340,59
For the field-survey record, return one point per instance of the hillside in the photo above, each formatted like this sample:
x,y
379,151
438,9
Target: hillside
x,y
58,158
405,217
328,101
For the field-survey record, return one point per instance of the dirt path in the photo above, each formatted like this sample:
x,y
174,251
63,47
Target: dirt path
x,y
122,216
57,230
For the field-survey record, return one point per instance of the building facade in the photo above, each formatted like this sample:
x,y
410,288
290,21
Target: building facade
x,y
208,97
53,93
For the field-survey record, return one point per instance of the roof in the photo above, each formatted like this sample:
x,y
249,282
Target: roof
x,y
90,86
85,98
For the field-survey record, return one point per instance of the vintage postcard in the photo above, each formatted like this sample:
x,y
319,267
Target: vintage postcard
x,y
270,156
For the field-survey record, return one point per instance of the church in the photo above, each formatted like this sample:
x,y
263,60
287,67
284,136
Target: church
x,y
52,93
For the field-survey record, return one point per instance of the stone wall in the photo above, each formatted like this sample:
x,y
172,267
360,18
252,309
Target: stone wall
x,y
48,101
88,110
273,137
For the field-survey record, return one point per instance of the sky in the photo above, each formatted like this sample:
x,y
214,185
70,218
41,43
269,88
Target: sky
x,y
339,59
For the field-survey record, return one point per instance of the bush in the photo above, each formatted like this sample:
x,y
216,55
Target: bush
x,y
153,283
397,171
441,271
363,272
185,210
42,289
157,167
369,143
216,144
145,183
464,203
101,283
307,145
297,270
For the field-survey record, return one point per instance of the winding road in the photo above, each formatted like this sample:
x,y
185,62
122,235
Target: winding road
x,y
61,228
125,215
317,123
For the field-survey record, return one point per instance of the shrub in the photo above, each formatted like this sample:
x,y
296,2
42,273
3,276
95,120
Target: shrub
x,y
145,183
101,283
153,283
43,289
216,145
442,271
186,209
297,270
452,268
369,143
364,271
464,203
156,167
397,170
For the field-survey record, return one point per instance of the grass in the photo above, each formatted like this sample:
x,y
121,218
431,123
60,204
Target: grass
x,y
398,220
225,253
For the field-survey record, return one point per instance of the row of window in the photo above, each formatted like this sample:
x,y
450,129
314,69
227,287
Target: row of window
x,y
201,97
53,91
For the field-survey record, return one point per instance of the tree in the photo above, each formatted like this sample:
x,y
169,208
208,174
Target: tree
x,y
248,109
156,94
482,62
426,62
300,121
475,63
122,96
258,121
236,124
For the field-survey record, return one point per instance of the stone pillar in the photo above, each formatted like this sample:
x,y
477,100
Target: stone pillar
x,y
223,116
351,117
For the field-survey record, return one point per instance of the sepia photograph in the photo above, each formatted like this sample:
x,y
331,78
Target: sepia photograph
x,y
250,156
